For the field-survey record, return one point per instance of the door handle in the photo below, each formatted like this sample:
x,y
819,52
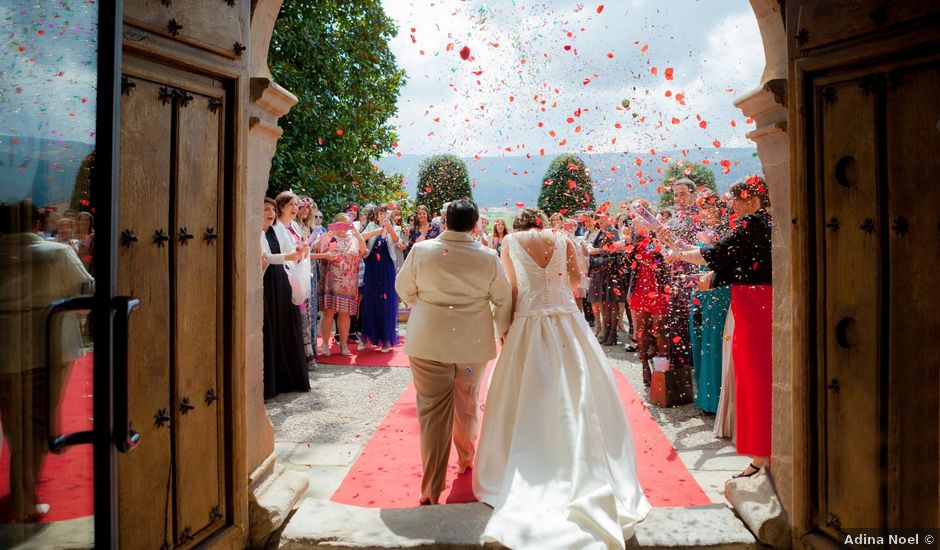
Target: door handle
x,y
58,443
125,439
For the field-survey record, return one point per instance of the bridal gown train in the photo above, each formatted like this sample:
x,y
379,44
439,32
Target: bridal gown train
x,y
556,459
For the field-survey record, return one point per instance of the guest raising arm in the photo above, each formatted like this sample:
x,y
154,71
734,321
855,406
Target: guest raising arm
x,y
743,260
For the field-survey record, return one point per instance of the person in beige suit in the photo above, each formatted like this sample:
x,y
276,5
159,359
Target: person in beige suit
x,y
461,302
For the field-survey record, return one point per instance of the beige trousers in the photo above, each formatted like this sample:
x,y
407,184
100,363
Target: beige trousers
x,y
447,409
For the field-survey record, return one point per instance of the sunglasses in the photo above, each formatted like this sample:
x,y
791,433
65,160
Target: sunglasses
x,y
318,217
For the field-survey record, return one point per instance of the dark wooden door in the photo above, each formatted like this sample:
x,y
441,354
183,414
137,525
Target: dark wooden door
x,y
878,243
173,492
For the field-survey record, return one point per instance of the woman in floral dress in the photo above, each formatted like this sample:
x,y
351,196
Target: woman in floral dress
x,y
339,294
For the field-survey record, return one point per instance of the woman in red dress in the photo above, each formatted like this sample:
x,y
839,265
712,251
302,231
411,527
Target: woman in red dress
x,y
649,296
743,259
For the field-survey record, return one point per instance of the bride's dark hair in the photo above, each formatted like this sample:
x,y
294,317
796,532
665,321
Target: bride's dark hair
x,y
530,218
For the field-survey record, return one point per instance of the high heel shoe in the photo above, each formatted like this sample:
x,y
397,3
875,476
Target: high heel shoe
x,y
750,466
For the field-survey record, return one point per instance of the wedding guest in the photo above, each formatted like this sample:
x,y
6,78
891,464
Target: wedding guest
x,y
499,233
649,297
285,362
379,307
291,236
606,273
588,229
86,238
339,288
35,273
684,225
423,228
401,229
557,221
479,232
65,233
708,310
582,256
743,260
312,225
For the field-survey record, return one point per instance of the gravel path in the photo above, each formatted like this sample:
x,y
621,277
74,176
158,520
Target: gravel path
x,y
344,405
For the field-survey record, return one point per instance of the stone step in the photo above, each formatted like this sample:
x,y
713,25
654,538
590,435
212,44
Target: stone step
x,y
323,524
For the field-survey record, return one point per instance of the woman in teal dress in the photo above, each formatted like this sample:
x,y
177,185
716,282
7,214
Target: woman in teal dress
x,y
708,310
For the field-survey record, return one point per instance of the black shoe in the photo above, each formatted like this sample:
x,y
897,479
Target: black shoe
x,y
745,473
353,338
629,347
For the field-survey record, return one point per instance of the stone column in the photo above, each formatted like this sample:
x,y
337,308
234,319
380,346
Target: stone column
x,y
767,106
274,490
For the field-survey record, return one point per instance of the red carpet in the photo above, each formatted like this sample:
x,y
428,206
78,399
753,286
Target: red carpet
x,y
388,472
66,482
369,358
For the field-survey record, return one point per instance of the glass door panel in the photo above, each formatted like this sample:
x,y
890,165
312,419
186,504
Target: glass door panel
x,y
48,131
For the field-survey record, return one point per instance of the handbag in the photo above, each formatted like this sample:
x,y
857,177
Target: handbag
x,y
299,275
672,387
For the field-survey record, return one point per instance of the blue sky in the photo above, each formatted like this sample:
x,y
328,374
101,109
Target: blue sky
x,y
583,62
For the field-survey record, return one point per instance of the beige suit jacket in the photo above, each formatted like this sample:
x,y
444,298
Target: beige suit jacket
x,y
460,299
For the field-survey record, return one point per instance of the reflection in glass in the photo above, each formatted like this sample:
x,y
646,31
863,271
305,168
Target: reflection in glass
x,y
48,81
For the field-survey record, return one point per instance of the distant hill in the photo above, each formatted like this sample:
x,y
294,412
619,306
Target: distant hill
x,y
43,170
505,181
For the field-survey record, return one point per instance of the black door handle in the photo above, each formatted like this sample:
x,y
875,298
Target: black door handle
x,y
125,438
58,443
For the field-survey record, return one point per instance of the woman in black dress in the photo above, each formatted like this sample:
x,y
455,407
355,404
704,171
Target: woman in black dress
x,y
285,364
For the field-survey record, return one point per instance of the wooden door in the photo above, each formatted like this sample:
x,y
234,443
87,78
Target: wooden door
x,y
850,262
878,251
173,490
912,130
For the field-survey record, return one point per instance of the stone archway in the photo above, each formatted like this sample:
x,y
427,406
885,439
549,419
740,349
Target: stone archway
x,y
275,491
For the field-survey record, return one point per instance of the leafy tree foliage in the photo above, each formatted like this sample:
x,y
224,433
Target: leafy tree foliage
x,y
334,56
442,178
567,186
699,173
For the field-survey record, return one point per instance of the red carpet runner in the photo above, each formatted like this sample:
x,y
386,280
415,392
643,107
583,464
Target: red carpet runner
x,y
388,472
66,481
367,358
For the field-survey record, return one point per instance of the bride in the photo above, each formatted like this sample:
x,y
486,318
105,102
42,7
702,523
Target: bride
x,y
556,460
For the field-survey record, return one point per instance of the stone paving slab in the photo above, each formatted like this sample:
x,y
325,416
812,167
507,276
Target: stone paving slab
x,y
324,524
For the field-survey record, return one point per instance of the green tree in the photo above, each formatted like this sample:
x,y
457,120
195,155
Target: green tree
x,y
334,56
699,173
442,178
567,186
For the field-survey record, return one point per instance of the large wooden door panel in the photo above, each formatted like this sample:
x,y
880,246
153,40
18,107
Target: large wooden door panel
x,y
912,116
198,275
852,493
181,20
145,474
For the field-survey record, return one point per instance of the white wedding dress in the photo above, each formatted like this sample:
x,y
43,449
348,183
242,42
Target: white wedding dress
x,y
556,459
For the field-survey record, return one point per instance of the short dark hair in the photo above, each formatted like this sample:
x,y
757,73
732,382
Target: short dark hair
x,y
462,215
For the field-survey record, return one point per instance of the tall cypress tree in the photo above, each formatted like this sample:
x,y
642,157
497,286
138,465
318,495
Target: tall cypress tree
x,y
567,186
442,178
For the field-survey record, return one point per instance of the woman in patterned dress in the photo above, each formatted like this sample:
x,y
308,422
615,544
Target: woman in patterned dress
x,y
340,281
